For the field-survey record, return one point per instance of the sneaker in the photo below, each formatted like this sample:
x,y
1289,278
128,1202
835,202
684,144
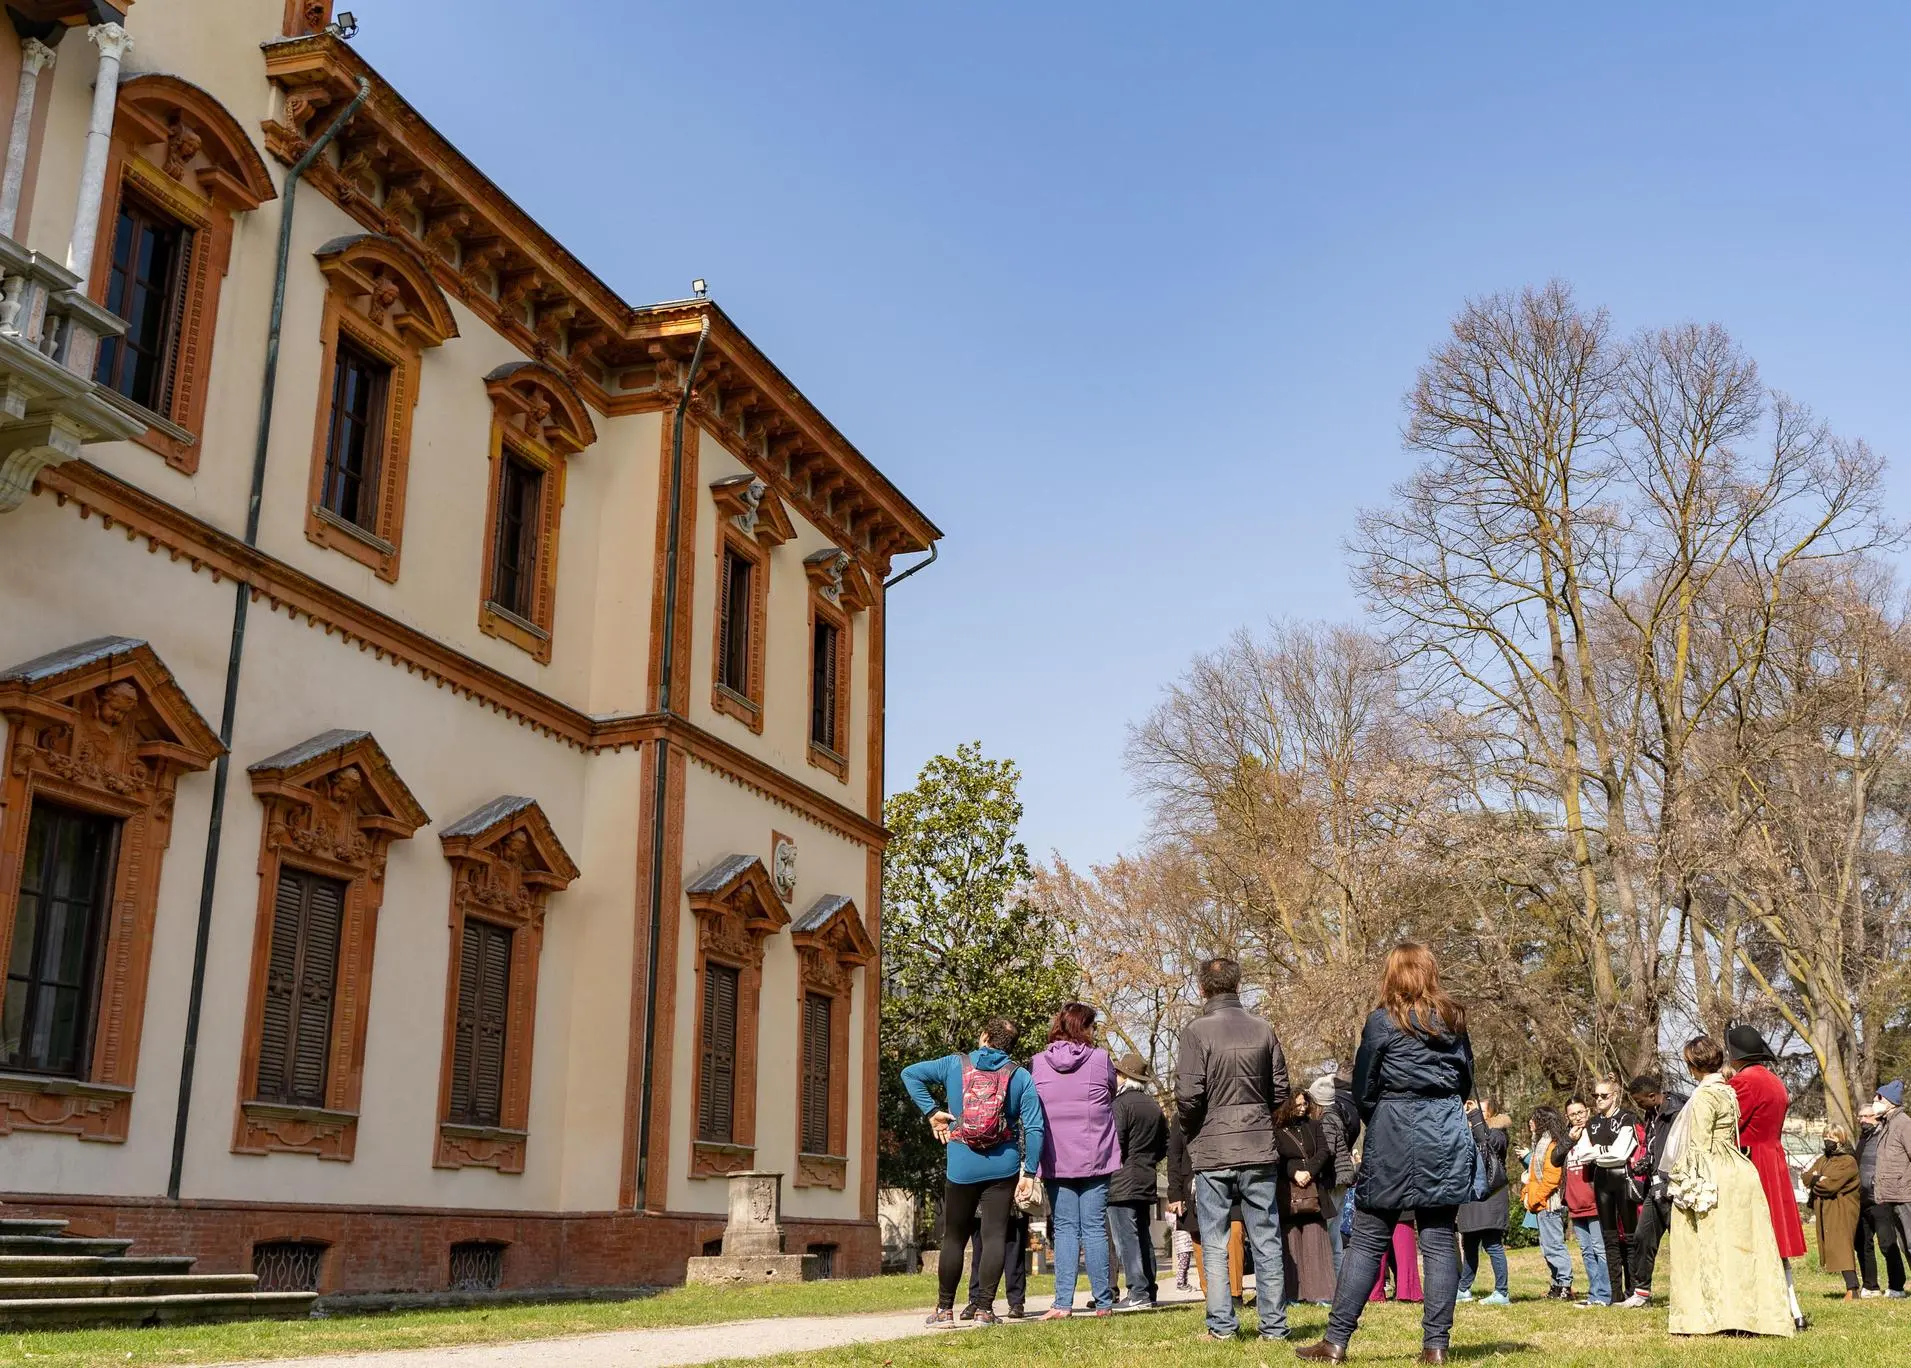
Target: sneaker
x,y
1463,1296
966,1313
1869,1293
1209,1337
1637,1300
1102,1312
1496,1299
1897,1296
1184,1286
1589,1303
986,1318
941,1316
1017,1311
1134,1304
1056,1313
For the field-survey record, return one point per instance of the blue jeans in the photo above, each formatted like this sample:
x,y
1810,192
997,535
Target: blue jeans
x,y
1495,1245
1369,1244
1079,1215
1132,1226
1256,1188
1592,1253
1552,1246
1334,1237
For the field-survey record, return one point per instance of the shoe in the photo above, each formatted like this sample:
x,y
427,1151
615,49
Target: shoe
x,y
1463,1296
941,1316
1209,1337
1103,1312
1637,1300
1560,1293
1134,1304
1055,1313
1496,1299
1433,1356
1322,1351
1589,1303
1897,1296
966,1313
1800,1323
1870,1292
1184,1287
1017,1312
986,1318
1281,1338
1851,1294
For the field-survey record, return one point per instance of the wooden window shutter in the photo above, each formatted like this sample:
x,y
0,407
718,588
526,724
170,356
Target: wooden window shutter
x,y
478,1045
716,1093
816,1064
177,292
295,1038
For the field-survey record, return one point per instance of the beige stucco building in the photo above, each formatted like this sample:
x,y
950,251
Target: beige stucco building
x,y
522,878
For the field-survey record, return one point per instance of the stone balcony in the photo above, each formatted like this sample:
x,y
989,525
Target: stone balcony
x,y
49,345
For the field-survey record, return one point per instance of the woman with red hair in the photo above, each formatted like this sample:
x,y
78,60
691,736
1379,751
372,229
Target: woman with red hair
x,y
1076,1083
1413,1072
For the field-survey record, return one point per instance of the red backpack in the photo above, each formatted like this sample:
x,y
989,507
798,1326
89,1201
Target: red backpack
x,y
985,1106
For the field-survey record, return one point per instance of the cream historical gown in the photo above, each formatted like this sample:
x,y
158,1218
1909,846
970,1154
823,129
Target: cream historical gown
x,y
1726,1273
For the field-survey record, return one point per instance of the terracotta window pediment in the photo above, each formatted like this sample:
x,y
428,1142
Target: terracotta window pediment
x,y
393,288
188,132
736,904
838,579
100,727
754,509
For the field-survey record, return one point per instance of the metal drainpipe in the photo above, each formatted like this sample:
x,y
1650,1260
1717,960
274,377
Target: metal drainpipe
x,y
660,790
242,598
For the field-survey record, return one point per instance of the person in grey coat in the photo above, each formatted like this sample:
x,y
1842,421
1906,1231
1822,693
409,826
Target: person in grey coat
x,y
1230,1079
1334,1127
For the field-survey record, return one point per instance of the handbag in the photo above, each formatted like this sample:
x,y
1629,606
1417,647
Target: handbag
x,y
1304,1201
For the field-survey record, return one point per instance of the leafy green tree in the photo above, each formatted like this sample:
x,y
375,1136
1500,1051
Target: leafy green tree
x,y
961,941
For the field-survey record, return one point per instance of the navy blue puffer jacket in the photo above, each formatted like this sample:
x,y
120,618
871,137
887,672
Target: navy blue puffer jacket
x,y
1410,1089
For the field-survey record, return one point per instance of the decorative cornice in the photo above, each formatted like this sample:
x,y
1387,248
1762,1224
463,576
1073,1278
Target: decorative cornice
x,y
399,176
207,550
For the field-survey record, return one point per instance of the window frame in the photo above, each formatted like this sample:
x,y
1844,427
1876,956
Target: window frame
x,y
330,806
309,883
745,704
98,917
539,423
346,352
100,727
138,211
505,861
831,945
708,1132
184,156
833,760
816,1076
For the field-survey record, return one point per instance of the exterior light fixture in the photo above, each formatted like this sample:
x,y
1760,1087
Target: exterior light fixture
x,y
700,288
344,25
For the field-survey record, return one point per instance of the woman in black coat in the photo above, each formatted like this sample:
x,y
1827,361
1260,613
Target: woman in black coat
x,y
1482,1224
1305,1192
1414,1068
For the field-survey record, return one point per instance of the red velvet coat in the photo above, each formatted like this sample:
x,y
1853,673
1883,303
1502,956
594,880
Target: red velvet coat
x,y
1762,1103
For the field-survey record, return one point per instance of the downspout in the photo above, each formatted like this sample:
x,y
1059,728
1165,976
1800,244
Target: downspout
x,y
242,598
660,790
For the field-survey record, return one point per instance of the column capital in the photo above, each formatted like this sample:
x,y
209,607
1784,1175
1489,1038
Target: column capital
x,y
35,56
112,40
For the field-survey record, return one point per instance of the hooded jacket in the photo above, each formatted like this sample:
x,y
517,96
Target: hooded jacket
x,y
1892,1182
1229,1080
1012,1156
1076,1083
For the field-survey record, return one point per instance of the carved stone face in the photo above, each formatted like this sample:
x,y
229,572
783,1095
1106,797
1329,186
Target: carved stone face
x,y
116,702
516,846
783,869
346,784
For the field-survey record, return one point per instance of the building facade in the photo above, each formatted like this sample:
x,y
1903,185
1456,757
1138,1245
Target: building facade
x,y
441,835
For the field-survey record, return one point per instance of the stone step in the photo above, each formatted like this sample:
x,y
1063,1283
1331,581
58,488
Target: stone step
x,y
144,1285
50,1312
23,1225
69,1245
91,1266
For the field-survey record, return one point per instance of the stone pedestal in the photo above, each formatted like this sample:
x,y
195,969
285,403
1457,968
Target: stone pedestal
x,y
753,1239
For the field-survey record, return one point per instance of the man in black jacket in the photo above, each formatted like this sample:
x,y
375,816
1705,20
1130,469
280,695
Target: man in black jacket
x,y
1659,1109
1230,1079
1142,1132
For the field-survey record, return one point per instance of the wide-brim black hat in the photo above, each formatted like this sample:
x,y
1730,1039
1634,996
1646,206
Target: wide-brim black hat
x,y
1744,1045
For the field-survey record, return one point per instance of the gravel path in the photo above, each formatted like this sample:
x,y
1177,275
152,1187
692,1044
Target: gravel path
x,y
662,1348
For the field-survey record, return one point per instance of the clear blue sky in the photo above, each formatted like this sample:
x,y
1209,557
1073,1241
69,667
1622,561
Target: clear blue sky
x,y
1126,296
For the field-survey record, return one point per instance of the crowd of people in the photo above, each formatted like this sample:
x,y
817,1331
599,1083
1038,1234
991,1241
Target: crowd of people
x,y
1395,1174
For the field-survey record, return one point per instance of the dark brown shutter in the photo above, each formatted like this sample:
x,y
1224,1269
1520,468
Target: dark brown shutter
x,y
830,686
178,291
816,1062
724,625
295,1037
478,1045
716,1096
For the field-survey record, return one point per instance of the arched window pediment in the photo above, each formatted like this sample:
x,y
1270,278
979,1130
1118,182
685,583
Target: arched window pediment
x,y
539,404
190,131
396,288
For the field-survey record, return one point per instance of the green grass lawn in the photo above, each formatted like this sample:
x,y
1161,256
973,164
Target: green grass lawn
x,y
1531,1332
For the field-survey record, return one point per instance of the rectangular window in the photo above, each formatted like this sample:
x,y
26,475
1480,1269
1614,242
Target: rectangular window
x,y
514,558
824,684
816,1024
733,667
477,1052
717,1079
355,439
52,989
295,1037
146,286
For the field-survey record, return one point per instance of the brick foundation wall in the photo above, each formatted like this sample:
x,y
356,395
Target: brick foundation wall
x,y
407,1249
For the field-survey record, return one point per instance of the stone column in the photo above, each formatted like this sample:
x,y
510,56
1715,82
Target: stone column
x,y
113,44
753,1239
35,57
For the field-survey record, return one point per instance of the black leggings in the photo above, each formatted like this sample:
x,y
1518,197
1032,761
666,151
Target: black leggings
x,y
1879,1224
965,1208
1618,1218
